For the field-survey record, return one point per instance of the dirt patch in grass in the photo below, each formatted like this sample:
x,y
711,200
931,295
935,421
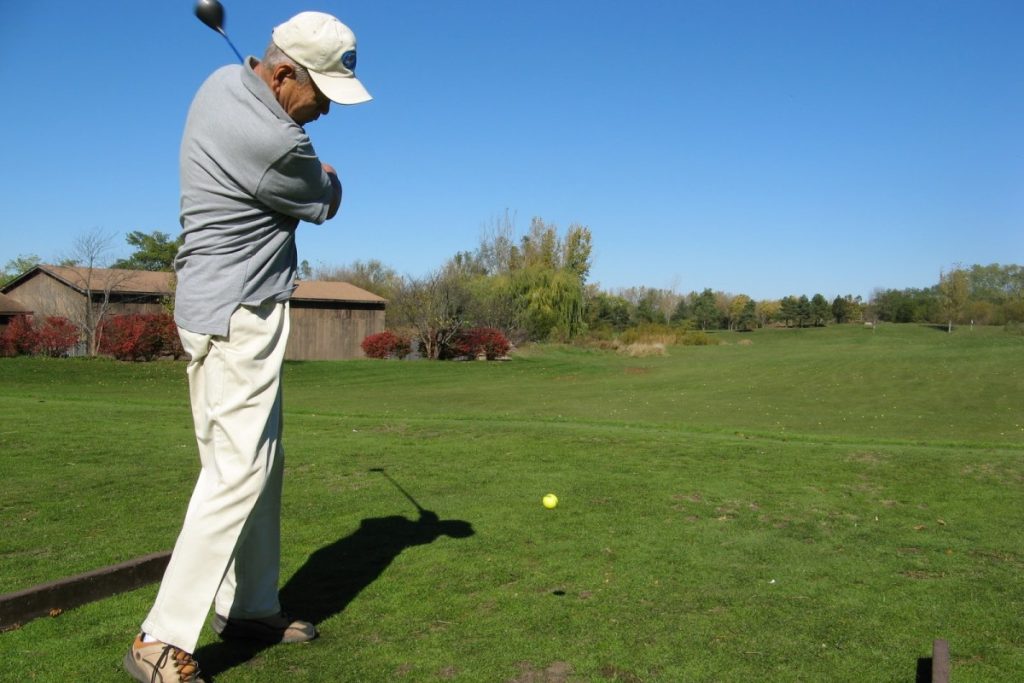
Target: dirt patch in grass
x,y
612,672
556,672
867,458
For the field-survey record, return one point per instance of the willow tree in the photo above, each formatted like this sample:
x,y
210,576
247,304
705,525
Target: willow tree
x,y
549,302
540,280
953,291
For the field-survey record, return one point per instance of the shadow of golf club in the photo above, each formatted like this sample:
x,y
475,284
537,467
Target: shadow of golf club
x,y
335,574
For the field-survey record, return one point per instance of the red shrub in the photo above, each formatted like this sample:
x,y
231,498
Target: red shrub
x,y
56,336
170,341
20,337
386,344
140,336
481,341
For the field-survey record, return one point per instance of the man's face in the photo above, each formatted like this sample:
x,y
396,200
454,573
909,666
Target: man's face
x,y
302,101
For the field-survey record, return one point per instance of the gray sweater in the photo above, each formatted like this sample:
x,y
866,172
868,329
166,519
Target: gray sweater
x,y
249,174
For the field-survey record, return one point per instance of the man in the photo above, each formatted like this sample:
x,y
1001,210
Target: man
x,y
248,176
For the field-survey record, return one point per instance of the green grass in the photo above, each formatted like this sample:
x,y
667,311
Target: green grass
x,y
817,505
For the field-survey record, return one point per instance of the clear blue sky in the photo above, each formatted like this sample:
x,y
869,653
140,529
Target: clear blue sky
x,y
758,146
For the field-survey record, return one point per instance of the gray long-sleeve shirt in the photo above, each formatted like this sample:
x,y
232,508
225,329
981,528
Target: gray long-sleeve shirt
x,y
249,174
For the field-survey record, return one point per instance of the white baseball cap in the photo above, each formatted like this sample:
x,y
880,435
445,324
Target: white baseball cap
x,y
327,48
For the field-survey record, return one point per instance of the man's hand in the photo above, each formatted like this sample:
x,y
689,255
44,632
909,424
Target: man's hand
x,y
336,199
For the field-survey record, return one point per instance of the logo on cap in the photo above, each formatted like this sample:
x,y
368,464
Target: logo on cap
x,y
348,60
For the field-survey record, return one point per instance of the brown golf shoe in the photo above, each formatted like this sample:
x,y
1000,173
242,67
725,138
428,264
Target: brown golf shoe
x,y
277,628
161,663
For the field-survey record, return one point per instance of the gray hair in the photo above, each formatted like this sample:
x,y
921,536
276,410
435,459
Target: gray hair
x,y
275,56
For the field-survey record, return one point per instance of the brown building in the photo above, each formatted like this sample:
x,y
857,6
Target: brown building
x,y
329,319
10,308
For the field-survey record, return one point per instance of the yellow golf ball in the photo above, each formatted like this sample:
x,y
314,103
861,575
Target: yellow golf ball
x,y
550,501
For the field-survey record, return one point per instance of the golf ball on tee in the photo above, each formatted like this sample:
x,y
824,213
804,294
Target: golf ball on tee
x,y
550,501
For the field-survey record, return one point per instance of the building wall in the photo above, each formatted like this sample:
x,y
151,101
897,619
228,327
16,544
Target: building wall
x,y
46,296
323,333
319,331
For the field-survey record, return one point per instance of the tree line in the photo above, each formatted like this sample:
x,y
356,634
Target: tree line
x,y
980,294
534,288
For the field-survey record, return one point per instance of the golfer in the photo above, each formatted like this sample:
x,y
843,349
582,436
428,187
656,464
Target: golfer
x,y
249,174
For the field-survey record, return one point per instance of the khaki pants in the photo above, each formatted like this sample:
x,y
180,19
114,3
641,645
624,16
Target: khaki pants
x,y
228,551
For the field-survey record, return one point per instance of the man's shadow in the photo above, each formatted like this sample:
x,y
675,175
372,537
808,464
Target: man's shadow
x,y
335,574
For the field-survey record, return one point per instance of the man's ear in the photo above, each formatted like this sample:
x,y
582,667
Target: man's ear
x,y
282,72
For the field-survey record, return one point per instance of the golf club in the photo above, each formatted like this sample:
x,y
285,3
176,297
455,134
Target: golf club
x,y
398,486
211,13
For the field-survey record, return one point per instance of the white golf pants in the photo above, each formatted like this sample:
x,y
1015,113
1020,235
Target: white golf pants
x,y
228,551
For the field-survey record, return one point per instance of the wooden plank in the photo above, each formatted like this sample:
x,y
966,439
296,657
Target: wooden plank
x,y
940,661
56,596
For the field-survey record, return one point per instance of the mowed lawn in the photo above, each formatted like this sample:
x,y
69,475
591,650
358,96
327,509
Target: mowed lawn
x,y
792,505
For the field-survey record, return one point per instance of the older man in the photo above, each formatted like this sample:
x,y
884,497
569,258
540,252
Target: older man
x,y
249,174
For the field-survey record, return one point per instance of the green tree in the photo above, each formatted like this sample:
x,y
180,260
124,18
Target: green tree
x,y
819,310
549,302
576,251
705,310
747,318
647,309
153,251
543,278
803,310
842,309
995,283
681,312
905,305
767,311
606,311
18,265
736,309
789,310
953,292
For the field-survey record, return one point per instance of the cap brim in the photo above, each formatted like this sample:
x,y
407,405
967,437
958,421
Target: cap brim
x,y
343,90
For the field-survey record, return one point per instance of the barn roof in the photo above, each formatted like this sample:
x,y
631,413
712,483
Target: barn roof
x,y
322,290
162,283
9,306
101,279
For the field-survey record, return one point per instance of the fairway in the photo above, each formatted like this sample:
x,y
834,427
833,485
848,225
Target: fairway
x,y
813,505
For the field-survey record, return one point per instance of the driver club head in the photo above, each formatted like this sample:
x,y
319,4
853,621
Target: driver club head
x,y
211,13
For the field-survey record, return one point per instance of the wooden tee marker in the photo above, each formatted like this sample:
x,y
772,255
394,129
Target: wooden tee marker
x,y
55,597
940,661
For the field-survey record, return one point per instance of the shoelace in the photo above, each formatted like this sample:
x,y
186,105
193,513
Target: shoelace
x,y
186,667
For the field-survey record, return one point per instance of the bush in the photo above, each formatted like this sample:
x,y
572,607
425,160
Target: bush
x,y
170,341
20,337
644,349
481,341
385,345
140,336
56,337
697,338
650,333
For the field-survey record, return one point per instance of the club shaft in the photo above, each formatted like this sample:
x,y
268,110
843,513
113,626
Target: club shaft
x,y
232,45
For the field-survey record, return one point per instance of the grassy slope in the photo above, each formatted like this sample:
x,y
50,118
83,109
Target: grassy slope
x,y
818,505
